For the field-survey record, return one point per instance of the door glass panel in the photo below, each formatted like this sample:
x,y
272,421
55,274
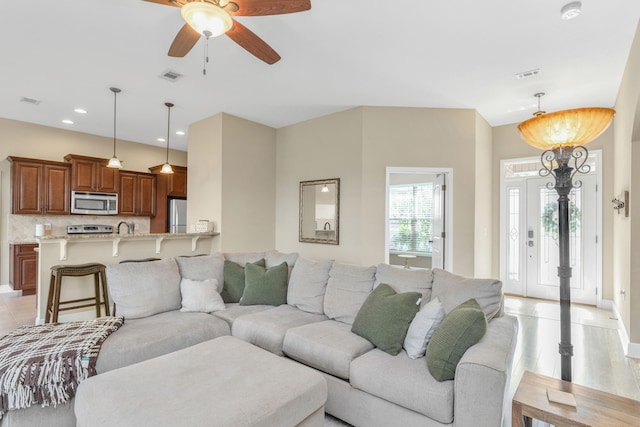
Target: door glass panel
x,y
548,230
513,252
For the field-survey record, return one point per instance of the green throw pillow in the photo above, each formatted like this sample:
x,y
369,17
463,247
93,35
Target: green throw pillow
x,y
234,280
385,316
262,286
461,328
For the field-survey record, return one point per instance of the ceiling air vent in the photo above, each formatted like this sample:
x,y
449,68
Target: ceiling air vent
x,y
30,100
172,76
527,74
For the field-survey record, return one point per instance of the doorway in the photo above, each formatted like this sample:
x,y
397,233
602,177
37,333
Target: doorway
x,y
418,218
529,253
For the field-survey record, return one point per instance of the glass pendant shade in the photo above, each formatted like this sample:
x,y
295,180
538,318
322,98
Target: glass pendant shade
x,y
206,18
325,189
574,127
114,163
166,168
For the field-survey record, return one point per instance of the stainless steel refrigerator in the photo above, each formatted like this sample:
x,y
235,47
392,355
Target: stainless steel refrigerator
x,y
177,216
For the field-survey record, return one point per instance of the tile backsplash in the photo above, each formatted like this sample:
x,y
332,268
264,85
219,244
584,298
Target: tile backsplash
x,y
22,228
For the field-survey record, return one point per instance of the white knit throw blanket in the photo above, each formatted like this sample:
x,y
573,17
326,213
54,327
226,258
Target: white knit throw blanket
x,y
43,365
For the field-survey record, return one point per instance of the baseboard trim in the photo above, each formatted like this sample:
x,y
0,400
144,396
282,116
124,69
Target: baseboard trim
x,y
629,348
606,304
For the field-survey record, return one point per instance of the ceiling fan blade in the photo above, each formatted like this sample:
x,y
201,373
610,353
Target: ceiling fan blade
x,y
269,7
252,43
164,2
184,41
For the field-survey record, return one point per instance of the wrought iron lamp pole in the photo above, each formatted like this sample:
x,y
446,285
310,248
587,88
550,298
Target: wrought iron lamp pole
x,y
558,163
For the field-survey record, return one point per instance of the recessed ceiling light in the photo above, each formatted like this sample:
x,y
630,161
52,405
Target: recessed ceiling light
x,y
80,111
67,122
179,132
161,140
571,10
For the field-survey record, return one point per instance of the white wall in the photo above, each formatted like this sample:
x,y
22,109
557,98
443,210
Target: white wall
x,y
483,202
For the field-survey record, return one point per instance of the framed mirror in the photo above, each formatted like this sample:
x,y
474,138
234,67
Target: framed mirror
x,y
320,211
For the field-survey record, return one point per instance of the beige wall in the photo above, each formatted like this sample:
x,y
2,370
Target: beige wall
x,y
42,142
626,232
232,175
322,148
483,201
357,146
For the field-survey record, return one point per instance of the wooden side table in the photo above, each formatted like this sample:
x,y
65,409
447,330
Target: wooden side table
x,y
593,407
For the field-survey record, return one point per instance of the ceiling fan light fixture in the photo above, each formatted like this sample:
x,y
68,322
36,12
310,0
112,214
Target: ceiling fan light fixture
x,y
206,18
571,10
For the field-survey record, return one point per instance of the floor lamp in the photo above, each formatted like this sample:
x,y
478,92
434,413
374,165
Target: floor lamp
x,y
562,135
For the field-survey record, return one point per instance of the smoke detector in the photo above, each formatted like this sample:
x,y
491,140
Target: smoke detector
x,y
571,10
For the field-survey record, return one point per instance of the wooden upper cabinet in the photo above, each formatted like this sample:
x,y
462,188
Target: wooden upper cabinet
x,y
137,195
40,187
92,174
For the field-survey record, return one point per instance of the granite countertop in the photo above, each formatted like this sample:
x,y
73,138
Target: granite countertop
x,y
124,236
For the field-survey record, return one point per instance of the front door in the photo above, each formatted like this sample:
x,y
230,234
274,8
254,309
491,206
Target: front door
x,y
529,238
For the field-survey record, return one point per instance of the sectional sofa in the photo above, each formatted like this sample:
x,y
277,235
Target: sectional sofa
x,y
174,303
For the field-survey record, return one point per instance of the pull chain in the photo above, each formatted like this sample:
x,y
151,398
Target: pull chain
x,y
206,35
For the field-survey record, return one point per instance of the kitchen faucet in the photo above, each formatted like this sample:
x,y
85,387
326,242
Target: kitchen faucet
x,y
327,226
125,223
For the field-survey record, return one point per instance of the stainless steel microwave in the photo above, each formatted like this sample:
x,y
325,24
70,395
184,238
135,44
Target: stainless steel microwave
x,y
87,203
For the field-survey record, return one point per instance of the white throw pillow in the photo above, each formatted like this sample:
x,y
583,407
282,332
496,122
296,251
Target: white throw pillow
x,y
422,328
200,295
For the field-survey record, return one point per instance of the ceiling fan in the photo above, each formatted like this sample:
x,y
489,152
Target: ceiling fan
x,y
212,18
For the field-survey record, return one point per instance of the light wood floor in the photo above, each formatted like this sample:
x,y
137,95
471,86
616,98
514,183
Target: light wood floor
x,y
598,360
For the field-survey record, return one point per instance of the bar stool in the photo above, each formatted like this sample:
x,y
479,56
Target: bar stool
x,y
60,271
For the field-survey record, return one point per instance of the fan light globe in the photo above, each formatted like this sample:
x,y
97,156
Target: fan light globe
x,y
206,18
574,127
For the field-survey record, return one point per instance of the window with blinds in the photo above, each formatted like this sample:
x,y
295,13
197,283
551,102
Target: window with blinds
x,y
410,218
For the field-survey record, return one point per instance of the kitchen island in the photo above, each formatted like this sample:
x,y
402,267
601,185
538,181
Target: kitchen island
x,y
106,249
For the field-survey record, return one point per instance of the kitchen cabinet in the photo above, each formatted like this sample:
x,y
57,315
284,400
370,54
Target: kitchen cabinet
x,y
23,267
168,186
137,194
40,187
92,174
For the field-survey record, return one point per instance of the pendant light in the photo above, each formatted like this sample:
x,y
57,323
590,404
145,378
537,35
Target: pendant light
x,y
166,168
114,162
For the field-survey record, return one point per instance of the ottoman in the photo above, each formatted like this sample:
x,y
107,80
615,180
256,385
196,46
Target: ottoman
x,y
221,382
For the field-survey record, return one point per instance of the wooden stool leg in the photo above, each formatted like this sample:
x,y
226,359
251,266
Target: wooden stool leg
x,y
105,293
96,290
56,297
47,315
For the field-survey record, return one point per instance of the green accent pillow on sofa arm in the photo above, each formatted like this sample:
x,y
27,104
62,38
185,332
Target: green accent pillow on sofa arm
x,y
461,328
385,316
234,280
265,286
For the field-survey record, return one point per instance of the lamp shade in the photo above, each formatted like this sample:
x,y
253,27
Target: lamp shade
x,y
574,127
206,18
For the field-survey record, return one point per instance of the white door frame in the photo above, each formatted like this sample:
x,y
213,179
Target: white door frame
x,y
448,208
503,219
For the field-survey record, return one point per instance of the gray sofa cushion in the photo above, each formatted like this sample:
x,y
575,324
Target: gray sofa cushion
x,y
243,257
273,258
453,290
142,339
307,285
223,382
142,289
203,268
406,280
267,328
329,346
235,310
405,382
347,289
